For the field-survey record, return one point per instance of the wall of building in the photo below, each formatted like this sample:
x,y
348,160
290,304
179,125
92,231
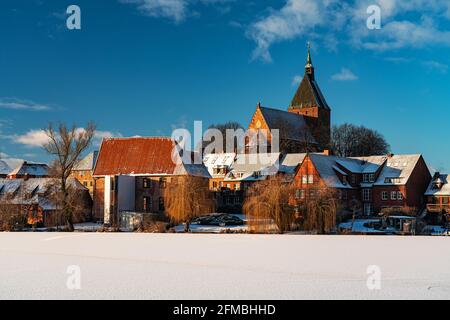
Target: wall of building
x,y
154,191
85,178
418,184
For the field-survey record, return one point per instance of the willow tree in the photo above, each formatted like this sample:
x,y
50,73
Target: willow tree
x,y
67,145
187,197
320,211
268,203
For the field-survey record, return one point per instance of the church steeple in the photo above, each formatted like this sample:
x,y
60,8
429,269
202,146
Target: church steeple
x,y
309,68
309,102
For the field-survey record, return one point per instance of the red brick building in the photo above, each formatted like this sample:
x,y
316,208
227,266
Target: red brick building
x,y
83,170
131,174
304,127
437,198
375,183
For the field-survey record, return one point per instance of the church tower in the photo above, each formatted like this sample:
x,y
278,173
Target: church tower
x,y
309,102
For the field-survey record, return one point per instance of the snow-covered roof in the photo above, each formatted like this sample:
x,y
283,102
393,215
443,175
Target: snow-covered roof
x,y
253,167
87,163
434,190
395,170
369,164
32,191
4,168
291,161
220,160
326,167
398,169
195,170
31,169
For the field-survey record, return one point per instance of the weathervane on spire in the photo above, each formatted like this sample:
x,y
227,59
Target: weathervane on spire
x,y
309,67
309,53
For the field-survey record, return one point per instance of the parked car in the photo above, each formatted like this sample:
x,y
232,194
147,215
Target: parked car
x,y
221,219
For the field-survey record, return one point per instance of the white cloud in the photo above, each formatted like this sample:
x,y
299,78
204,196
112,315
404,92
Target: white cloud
x,y
176,10
296,80
38,138
100,135
33,138
17,104
402,34
344,75
436,66
405,23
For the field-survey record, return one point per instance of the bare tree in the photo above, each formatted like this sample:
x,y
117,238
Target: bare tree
x,y
223,127
269,203
67,145
17,208
13,217
348,140
187,197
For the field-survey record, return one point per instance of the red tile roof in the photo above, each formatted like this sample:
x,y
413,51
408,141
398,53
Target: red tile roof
x,y
140,156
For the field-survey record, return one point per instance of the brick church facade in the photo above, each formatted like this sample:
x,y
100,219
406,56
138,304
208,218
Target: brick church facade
x,y
304,127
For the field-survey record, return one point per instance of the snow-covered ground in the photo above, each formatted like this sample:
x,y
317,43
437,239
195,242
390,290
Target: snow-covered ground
x,y
221,266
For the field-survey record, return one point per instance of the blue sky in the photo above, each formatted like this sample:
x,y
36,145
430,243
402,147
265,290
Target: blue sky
x,y
144,67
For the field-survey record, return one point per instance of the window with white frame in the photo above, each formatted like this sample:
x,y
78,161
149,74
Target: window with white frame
x,y
399,195
393,195
308,179
384,195
372,177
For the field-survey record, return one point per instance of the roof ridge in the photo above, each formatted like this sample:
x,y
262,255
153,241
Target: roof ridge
x,y
129,138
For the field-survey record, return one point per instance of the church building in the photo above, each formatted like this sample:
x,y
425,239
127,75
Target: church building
x,y
304,127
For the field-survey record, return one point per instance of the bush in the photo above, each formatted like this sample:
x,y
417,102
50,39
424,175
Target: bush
x,y
404,211
11,218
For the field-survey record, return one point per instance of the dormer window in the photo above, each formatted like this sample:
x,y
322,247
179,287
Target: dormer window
x,y
392,180
438,184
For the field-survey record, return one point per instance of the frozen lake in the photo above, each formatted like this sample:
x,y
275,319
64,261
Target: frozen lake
x,y
222,266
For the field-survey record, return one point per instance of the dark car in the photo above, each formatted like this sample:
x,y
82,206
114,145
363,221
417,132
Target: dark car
x,y
221,220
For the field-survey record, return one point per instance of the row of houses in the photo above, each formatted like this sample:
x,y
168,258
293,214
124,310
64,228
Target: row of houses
x,y
130,174
29,192
373,184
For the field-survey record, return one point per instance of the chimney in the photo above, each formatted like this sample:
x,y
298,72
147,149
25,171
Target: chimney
x,y
326,152
390,155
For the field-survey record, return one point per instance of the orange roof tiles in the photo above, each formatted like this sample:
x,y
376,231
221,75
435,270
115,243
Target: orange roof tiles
x,y
139,156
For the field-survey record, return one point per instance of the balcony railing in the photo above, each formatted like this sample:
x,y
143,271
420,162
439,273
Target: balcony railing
x,y
438,207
